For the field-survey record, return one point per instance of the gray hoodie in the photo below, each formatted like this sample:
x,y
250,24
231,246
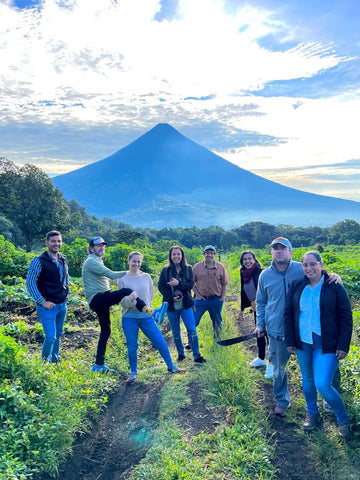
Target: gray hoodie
x,y
271,294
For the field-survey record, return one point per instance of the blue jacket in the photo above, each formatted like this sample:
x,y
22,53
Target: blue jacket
x,y
335,316
272,290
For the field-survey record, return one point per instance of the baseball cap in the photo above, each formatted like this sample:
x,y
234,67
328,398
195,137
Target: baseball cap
x,y
282,241
209,247
97,241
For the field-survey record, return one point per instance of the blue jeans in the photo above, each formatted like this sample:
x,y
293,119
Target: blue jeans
x,y
187,316
279,356
317,370
149,328
214,307
53,325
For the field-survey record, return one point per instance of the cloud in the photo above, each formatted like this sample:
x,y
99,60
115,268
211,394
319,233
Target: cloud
x,y
263,84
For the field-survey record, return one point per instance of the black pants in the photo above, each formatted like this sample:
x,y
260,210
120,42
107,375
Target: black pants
x,y
101,304
261,343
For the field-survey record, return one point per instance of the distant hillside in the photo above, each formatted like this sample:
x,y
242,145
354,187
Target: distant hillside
x,y
164,179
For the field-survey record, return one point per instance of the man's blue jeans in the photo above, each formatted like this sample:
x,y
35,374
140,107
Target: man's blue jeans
x,y
317,370
213,306
187,316
149,328
279,356
53,325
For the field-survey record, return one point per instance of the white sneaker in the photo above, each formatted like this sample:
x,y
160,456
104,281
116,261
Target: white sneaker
x,y
257,362
269,371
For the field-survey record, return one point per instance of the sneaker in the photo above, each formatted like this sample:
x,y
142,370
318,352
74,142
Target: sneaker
x,y
345,431
187,346
280,411
257,362
312,421
181,358
132,377
175,369
327,407
159,313
269,371
102,369
199,360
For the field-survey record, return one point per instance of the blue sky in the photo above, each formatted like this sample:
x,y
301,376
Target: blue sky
x,y
270,85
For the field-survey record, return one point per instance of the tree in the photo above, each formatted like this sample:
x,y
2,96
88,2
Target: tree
x,y
30,201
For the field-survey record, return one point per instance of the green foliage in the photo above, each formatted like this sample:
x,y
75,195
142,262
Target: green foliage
x,y
75,255
29,199
13,262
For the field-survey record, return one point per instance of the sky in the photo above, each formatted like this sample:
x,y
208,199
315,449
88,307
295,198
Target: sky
x,y
270,85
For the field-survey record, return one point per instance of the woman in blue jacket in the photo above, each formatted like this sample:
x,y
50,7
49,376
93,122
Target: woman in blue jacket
x,y
318,328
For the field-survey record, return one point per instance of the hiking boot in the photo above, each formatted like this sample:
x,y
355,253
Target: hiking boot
x,y
101,369
257,363
159,313
175,369
312,421
132,377
181,358
269,371
199,360
345,430
280,411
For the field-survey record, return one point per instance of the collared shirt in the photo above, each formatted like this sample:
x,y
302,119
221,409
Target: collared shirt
x,y
209,281
309,319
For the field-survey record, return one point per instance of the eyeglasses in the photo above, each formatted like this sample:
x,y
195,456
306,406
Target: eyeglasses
x,y
310,264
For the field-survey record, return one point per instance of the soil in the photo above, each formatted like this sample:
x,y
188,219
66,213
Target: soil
x,y
124,431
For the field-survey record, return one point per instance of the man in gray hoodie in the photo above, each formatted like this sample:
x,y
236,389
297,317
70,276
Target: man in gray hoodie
x,y
274,283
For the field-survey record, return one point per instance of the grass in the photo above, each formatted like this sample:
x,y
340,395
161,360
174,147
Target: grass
x,y
43,407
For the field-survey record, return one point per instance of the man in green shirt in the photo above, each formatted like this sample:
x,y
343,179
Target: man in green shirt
x,y
96,282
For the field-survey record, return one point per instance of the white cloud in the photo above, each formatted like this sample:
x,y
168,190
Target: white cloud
x,y
85,63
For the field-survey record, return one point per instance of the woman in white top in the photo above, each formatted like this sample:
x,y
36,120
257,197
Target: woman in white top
x,y
132,319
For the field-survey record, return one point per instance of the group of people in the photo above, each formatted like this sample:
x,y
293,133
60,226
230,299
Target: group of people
x,y
298,309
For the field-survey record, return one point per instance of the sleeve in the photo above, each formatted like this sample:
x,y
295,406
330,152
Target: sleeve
x,y
164,288
187,282
344,315
244,301
31,281
100,269
194,287
261,300
289,326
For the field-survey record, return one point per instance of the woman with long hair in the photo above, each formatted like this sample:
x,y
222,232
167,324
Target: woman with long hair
x,y
133,320
318,328
250,269
175,284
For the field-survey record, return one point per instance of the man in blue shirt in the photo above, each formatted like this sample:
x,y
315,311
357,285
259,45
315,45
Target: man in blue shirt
x,y
47,282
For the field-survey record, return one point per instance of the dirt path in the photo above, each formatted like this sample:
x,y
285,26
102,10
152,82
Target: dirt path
x,y
124,431
292,459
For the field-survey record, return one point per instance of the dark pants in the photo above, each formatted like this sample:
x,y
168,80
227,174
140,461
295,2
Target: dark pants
x,y
101,304
261,343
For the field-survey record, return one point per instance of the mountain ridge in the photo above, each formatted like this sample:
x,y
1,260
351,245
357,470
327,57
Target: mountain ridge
x,y
165,179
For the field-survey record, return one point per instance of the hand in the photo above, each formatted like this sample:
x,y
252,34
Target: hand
x,y
259,332
241,316
173,282
176,299
132,296
334,278
253,305
48,305
340,354
291,349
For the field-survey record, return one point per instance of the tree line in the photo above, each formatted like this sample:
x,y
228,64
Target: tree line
x,y
30,205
